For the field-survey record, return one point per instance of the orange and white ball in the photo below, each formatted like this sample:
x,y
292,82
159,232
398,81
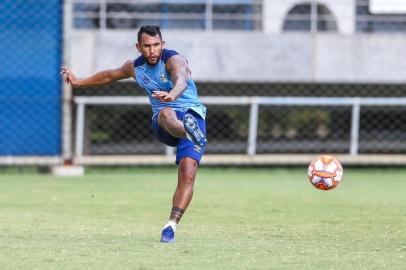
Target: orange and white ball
x,y
325,172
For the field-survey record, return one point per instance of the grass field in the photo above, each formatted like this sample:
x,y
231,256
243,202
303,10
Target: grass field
x,y
238,219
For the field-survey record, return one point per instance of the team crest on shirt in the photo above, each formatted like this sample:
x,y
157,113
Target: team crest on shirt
x,y
163,78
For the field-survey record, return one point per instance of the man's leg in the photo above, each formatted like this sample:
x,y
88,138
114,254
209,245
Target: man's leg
x,y
184,191
188,128
168,120
181,198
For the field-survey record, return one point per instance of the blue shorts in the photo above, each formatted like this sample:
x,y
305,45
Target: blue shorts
x,y
184,147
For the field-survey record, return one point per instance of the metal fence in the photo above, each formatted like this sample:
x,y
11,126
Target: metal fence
x,y
203,15
211,15
251,125
30,53
261,121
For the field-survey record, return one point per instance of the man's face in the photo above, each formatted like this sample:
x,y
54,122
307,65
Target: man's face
x,y
151,48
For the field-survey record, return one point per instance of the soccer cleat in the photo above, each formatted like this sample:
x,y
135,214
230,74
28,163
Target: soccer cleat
x,y
168,233
193,131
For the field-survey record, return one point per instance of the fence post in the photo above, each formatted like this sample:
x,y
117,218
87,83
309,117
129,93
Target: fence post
x,y
253,127
66,89
80,129
103,15
169,151
355,118
208,24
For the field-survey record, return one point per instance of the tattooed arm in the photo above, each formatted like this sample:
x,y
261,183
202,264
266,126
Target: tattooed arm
x,y
179,71
100,78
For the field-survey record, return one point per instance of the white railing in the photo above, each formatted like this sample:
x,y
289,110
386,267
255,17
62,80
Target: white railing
x,y
253,102
98,10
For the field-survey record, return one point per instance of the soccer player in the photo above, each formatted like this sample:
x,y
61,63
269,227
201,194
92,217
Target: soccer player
x,y
178,115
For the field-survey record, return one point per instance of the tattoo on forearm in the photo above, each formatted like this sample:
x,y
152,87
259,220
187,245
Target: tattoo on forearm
x,y
179,72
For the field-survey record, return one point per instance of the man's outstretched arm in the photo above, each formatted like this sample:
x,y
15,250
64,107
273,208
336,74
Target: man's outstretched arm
x,y
178,68
100,78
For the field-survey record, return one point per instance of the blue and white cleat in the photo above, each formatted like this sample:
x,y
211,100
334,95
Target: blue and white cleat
x,y
168,233
193,131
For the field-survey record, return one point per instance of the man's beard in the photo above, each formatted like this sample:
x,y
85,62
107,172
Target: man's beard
x,y
157,60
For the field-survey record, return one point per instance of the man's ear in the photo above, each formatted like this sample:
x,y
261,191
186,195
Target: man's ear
x,y
138,47
163,43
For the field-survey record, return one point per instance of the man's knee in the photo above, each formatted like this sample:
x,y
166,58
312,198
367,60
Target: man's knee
x,y
166,114
187,170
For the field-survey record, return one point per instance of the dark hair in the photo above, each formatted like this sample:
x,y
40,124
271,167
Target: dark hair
x,y
151,30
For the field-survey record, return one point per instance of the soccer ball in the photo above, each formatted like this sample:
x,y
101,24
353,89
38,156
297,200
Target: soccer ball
x,y
325,172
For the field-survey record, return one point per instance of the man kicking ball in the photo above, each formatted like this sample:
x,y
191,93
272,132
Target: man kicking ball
x,y
178,115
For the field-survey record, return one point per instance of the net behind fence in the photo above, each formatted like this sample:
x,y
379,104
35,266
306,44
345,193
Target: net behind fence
x,y
30,53
237,50
256,125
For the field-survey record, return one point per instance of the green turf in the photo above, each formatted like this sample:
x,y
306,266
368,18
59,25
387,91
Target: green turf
x,y
238,219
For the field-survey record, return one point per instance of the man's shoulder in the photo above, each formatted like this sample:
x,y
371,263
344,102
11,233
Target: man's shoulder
x,y
139,61
167,53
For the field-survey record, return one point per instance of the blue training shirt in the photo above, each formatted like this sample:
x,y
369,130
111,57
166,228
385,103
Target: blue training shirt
x,y
156,77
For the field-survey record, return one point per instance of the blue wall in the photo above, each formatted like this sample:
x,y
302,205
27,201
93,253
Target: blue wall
x,y
30,88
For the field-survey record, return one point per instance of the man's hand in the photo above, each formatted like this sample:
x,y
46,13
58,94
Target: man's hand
x,y
163,96
69,77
